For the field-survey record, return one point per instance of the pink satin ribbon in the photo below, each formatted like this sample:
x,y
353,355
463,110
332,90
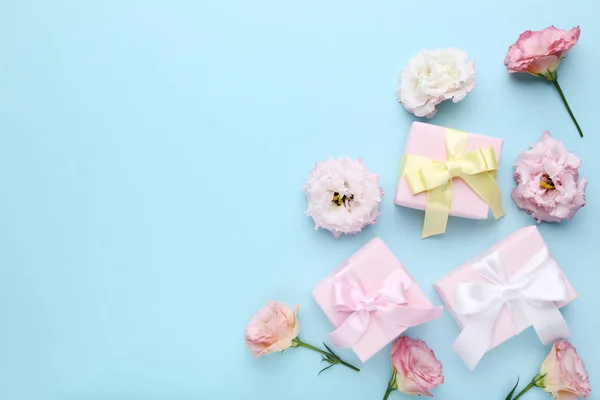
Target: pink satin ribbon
x,y
388,305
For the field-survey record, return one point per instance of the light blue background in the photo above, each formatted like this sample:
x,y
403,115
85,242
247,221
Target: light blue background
x,y
152,156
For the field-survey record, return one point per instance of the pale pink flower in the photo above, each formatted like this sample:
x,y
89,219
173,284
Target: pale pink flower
x,y
275,328
540,52
415,370
564,375
272,329
343,195
548,183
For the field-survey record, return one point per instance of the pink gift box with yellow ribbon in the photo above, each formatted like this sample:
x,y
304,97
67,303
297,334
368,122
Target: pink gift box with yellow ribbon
x,y
513,285
428,141
371,299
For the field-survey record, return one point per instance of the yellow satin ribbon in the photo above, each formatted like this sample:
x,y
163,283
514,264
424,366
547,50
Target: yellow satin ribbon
x,y
477,168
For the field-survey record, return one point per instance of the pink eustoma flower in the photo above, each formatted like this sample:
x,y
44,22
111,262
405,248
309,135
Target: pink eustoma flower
x,y
564,375
548,183
272,329
415,369
539,53
275,328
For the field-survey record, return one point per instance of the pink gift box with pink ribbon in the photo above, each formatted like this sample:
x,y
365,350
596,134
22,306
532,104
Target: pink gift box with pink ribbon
x,y
371,299
513,285
430,141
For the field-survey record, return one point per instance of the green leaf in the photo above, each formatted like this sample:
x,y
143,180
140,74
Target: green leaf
x,y
510,395
326,368
328,349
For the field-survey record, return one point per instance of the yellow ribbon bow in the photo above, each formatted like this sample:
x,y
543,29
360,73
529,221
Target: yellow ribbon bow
x,y
477,168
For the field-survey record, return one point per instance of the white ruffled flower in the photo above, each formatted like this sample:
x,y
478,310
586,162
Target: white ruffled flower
x,y
343,196
434,76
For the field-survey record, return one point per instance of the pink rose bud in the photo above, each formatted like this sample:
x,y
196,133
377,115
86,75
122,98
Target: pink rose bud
x,y
415,370
564,375
272,329
548,183
540,52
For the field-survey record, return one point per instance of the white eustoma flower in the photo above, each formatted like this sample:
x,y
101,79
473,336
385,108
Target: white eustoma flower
x,y
343,195
434,76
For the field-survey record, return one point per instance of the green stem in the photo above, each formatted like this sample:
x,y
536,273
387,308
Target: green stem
x,y
387,393
392,385
533,383
564,99
297,343
522,392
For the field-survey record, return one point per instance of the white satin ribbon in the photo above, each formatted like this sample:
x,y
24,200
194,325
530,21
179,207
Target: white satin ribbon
x,y
529,298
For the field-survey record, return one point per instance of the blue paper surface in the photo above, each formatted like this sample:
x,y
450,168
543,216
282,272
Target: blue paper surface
x,y
152,156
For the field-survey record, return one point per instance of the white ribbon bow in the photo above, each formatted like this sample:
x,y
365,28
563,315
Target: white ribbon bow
x,y
529,298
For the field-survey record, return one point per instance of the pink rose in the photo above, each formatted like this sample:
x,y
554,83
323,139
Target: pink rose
x,y
540,52
548,183
565,376
415,368
272,329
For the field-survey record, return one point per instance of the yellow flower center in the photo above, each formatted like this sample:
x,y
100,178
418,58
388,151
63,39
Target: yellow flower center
x,y
547,183
341,199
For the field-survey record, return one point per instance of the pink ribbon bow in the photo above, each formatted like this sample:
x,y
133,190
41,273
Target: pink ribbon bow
x,y
388,305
